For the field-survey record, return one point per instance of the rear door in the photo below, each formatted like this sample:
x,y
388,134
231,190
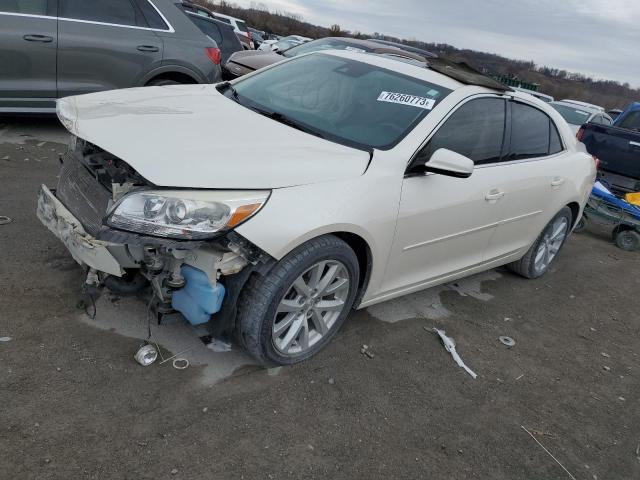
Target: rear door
x,y
28,42
533,175
104,45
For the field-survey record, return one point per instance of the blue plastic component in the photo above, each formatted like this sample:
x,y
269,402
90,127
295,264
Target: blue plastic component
x,y
197,300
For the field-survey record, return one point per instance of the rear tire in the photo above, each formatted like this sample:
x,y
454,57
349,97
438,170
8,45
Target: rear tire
x,y
545,249
581,226
282,317
161,82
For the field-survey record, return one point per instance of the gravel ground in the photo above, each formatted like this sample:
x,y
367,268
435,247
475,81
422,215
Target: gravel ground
x,y
75,405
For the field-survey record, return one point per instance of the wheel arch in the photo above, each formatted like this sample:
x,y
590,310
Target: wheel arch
x,y
172,72
359,241
575,212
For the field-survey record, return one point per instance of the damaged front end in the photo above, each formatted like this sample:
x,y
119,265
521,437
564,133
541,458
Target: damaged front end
x,y
131,234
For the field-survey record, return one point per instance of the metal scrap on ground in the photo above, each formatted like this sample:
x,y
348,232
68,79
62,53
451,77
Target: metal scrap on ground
x,y
450,346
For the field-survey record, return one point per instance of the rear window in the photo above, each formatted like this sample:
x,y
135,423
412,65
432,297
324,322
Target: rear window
x,y
323,44
151,15
572,115
208,27
343,100
631,121
119,12
28,7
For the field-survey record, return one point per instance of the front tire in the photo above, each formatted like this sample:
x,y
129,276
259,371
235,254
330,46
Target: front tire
x,y
545,249
293,311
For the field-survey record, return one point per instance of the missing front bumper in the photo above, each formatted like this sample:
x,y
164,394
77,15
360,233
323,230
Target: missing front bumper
x,y
85,249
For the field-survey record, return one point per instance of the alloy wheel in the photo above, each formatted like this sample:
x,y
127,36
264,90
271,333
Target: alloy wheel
x,y
310,307
550,244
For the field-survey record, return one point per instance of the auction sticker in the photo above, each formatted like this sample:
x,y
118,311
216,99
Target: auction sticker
x,y
406,99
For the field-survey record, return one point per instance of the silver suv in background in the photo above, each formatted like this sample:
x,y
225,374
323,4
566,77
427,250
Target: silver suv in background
x,y
51,49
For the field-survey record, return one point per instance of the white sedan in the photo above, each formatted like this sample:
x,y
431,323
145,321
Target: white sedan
x,y
364,179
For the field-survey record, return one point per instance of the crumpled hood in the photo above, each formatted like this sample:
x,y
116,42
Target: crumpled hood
x,y
192,136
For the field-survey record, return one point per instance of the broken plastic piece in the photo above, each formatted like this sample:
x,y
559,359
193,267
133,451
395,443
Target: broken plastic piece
x,y
146,355
450,346
508,341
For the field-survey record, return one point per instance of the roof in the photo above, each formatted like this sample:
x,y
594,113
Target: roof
x,y
583,104
587,107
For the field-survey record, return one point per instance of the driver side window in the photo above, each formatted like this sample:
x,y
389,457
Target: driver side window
x,y
476,130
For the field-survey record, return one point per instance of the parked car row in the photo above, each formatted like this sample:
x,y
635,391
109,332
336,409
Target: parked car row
x,y
53,49
242,63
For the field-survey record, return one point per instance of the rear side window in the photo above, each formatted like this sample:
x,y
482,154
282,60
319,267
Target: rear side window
x,y
555,144
29,7
530,132
223,19
208,27
119,12
151,15
475,130
241,26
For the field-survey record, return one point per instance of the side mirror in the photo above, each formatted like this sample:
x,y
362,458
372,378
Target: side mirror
x,y
452,164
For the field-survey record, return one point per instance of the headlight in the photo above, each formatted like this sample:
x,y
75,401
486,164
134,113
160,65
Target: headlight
x,y
67,113
189,215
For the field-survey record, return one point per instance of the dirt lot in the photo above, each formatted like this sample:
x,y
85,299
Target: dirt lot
x,y
75,405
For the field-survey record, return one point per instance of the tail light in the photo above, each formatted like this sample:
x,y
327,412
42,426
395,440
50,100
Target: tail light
x,y
596,160
214,54
580,134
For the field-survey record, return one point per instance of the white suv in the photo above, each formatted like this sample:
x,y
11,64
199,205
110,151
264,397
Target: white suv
x,y
364,179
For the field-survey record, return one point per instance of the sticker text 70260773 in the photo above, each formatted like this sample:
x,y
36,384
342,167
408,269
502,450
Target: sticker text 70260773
x,y
406,99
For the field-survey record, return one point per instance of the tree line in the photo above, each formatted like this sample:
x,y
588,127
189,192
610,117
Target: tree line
x,y
552,81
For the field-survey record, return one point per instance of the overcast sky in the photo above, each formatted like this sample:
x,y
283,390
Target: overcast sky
x,y
600,38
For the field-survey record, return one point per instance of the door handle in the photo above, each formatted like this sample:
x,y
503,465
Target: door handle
x,y
148,48
494,195
556,182
38,38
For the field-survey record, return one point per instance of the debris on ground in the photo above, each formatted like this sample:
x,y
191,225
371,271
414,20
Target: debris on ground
x,y
219,346
605,355
146,355
519,377
272,372
508,341
180,363
548,452
606,369
5,339
450,346
332,381
4,220
366,352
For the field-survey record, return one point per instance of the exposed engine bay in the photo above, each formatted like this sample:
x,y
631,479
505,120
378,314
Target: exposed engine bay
x,y
197,277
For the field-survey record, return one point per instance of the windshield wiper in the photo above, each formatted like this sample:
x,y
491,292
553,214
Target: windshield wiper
x,y
281,118
231,88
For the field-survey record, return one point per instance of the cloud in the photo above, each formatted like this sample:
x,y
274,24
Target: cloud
x,y
596,37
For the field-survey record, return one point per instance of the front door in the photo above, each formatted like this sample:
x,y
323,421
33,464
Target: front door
x,y
28,42
445,223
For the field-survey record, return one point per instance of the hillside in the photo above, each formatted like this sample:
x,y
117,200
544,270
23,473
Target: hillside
x,y
558,83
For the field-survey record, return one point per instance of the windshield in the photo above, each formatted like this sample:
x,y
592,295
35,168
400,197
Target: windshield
x,y
317,45
572,115
631,121
344,100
